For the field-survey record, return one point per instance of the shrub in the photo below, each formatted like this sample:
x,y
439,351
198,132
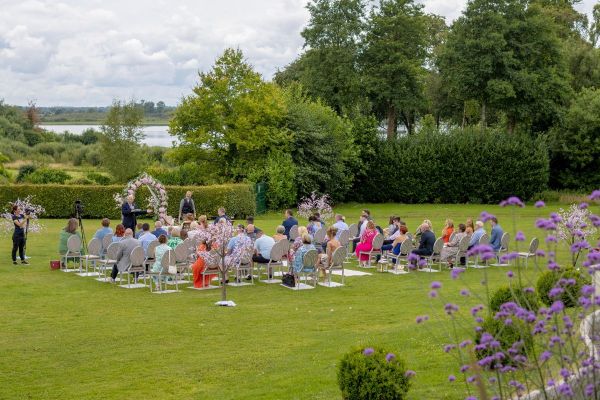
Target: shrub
x,y
379,374
559,279
507,336
238,199
25,170
46,175
454,167
515,294
98,178
81,181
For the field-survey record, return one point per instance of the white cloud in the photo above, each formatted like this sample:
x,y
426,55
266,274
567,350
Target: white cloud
x,y
87,53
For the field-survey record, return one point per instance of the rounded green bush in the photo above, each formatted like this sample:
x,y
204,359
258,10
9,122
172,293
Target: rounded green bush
x,y
551,279
372,373
98,178
506,335
46,175
25,170
518,295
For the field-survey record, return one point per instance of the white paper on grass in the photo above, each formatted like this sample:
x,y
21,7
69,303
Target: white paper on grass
x,y
228,303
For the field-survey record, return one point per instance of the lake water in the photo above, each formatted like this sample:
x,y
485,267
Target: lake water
x,y
156,135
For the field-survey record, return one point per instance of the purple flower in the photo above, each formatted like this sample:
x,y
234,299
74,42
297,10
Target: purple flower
x,y
565,390
422,318
485,216
368,351
389,357
464,292
520,237
410,373
465,343
557,307
476,309
464,368
553,266
512,201
589,390
583,206
539,204
456,272
510,274
578,246
595,195
529,290
451,378
448,348
545,356
587,290
480,249
450,308
510,256
471,379
551,239
433,294
436,285
555,292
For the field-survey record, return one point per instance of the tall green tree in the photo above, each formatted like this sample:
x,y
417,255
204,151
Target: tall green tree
x,y
506,55
393,61
231,119
121,140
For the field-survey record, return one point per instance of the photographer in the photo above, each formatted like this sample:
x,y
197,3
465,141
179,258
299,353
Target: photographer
x,y
20,222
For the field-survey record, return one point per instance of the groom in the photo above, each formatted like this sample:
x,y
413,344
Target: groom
x,y
130,213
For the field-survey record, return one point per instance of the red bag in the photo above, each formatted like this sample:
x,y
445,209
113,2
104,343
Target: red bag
x,y
55,264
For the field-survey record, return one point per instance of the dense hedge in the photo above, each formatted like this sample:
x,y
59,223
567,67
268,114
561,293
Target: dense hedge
x,y
457,167
238,199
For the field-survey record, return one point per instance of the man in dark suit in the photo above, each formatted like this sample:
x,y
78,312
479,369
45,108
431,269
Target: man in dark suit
x,y
126,246
289,222
130,213
426,243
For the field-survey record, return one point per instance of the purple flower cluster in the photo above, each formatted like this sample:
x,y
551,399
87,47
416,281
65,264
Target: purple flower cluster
x,y
484,251
512,201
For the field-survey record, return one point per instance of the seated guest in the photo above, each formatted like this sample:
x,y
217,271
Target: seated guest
x,y
288,222
66,233
203,222
392,227
119,233
318,217
340,225
159,252
332,245
183,234
366,243
470,224
399,237
146,237
105,230
361,229
237,247
199,266
262,246
447,231
297,242
419,232
194,229
138,230
479,232
188,219
313,225
250,221
221,214
158,230
233,241
280,234
469,231
450,249
175,238
251,232
126,246
427,239
298,262
497,232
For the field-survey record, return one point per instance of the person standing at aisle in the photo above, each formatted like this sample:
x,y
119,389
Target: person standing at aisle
x,y
187,206
130,213
20,222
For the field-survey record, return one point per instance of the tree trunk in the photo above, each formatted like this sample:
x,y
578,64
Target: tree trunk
x,y
223,279
408,120
483,115
512,123
464,119
392,122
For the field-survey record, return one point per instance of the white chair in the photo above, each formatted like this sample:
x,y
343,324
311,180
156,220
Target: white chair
x,y
309,268
353,231
243,268
463,247
94,249
452,235
504,243
319,237
168,269
344,239
73,252
405,248
182,259
293,233
104,265
337,264
151,254
483,240
135,267
106,241
435,256
532,252
213,269
375,249
277,252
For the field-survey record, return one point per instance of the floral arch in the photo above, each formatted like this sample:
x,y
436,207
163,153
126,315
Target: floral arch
x,y
158,199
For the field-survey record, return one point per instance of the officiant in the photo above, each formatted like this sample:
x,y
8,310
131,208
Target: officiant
x,y
130,212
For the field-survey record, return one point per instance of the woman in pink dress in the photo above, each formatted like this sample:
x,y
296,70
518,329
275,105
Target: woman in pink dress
x,y
366,243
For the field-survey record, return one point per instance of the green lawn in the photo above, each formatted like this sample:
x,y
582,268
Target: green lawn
x,y
67,337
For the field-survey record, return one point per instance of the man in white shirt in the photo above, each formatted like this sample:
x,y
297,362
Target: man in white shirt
x,y
262,248
340,225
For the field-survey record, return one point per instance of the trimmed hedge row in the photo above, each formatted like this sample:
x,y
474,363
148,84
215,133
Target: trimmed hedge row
x,y
238,199
467,166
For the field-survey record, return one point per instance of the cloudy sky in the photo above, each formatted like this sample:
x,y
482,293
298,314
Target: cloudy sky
x,y
76,52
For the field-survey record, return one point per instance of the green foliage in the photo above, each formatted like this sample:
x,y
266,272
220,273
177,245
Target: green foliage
x,y
575,144
279,175
238,199
551,279
232,117
189,173
98,178
90,136
121,136
506,335
363,377
518,295
24,171
454,167
46,175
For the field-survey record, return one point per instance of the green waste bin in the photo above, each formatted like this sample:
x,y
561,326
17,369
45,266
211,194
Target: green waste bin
x,y
261,198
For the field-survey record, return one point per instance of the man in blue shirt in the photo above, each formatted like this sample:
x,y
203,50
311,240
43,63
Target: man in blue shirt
x,y
105,230
289,221
158,230
497,232
340,225
479,232
146,237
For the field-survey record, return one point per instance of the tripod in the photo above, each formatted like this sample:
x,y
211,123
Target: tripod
x,y
25,244
78,216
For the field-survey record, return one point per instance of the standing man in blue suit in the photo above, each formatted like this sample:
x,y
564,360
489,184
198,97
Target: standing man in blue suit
x,y
130,213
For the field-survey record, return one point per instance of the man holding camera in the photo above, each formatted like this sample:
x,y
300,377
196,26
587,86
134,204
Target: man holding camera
x,y
20,222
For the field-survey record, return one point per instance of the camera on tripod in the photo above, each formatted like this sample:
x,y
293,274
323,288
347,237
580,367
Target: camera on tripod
x,y
29,211
78,207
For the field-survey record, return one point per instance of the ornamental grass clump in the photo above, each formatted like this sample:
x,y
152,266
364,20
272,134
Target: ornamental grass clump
x,y
373,373
508,346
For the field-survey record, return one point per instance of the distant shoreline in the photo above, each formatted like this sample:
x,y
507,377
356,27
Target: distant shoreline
x,y
145,123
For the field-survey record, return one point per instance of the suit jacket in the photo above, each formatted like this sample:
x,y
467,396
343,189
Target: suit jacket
x,y
427,241
288,223
126,246
130,215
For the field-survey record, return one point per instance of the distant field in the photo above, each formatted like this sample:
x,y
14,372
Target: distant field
x,y
96,118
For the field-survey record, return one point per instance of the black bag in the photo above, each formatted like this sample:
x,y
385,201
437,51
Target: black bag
x,y
288,280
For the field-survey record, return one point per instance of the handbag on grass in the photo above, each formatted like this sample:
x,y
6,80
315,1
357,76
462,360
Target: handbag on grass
x,y
288,280
55,264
